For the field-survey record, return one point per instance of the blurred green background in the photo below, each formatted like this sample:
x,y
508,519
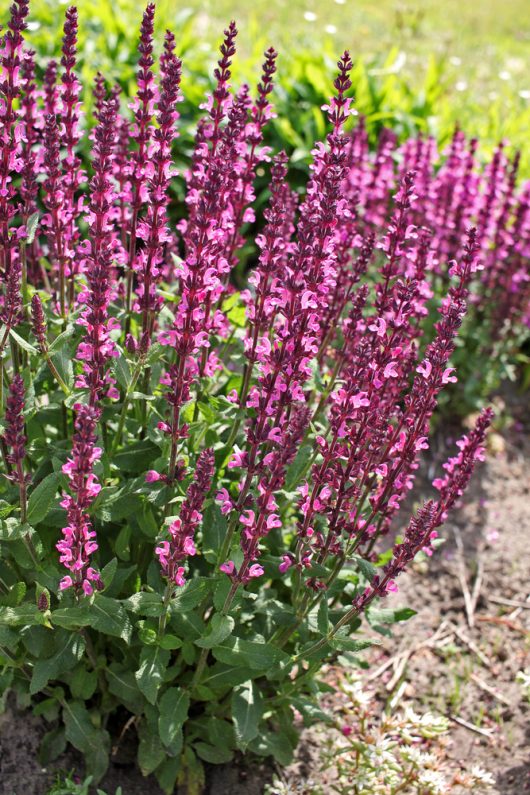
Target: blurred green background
x,y
419,65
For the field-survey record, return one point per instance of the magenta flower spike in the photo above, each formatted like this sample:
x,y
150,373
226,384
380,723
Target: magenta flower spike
x,y
79,537
173,553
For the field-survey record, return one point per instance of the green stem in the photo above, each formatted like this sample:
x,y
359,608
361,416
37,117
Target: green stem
x,y
127,397
162,621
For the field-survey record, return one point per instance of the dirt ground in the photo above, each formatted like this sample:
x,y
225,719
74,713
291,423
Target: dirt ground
x,y
458,656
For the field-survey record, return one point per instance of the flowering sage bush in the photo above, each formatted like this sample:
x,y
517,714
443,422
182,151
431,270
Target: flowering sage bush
x,y
202,484
456,189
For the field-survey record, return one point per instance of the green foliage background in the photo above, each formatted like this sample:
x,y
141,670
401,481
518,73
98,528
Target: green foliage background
x,y
419,65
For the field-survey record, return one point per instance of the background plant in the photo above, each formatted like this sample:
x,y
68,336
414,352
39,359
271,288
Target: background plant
x,y
202,481
374,751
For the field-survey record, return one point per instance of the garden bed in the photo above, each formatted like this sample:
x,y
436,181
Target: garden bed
x,y
437,660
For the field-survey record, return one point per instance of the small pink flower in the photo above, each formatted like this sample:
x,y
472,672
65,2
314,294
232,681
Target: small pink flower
x,y
255,570
228,567
152,476
285,564
179,576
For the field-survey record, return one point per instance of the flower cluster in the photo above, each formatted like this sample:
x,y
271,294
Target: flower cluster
x,y
182,530
79,537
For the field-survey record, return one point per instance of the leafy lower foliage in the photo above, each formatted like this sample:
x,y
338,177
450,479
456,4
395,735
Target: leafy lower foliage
x,y
202,483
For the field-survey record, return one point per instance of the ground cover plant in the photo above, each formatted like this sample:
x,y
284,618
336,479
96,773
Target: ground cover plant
x,y
204,468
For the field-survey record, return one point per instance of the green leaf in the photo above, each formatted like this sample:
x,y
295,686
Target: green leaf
x,y
150,675
16,594
368,570
5,509
220,677
123,685
22,343
108,572
215,755
323,617
254,654
61,340
275,744
221,628
109,616
81,732
150,752
52,745
83,683
71,617
214,528
170,642
12,530
344,643
167,774
309,710
247,710
69,649
31,228
144,604
62,359
41,499
190,595
297,468
23,615
173,707
385,615
122,371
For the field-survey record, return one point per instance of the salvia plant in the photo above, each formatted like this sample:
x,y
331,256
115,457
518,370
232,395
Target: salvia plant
x,y
202,483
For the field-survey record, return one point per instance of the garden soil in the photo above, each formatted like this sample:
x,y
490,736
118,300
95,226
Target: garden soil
x,y
469,676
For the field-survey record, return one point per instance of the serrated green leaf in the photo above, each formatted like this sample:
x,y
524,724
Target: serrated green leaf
x,y
214,529
220,676
144,604
15,595
83,683
22,343
150,675
61,340
367,569
344,643
257,655
110,617
123,684
108,572
22,615
150,752
247,710
122,371
71,617
221,627
215,755
52,745
41,499
69,649
31,227
190,595
92,742
12,530
386,615
174,705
